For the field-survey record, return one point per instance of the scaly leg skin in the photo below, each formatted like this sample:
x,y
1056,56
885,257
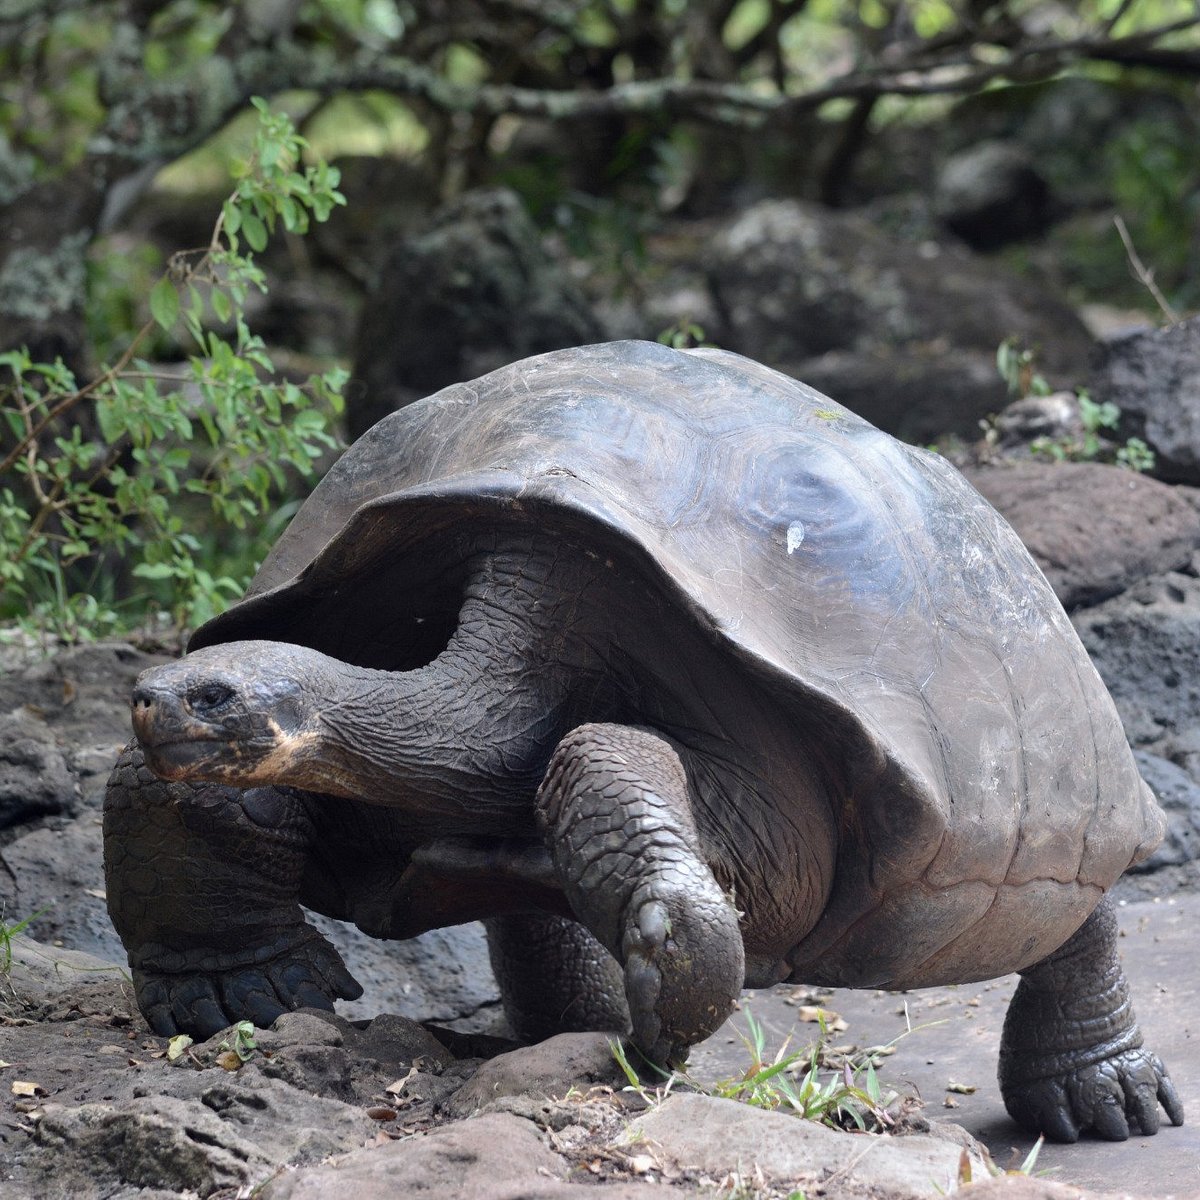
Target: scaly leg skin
x,y
1071,1056
615,812
554,977
202,886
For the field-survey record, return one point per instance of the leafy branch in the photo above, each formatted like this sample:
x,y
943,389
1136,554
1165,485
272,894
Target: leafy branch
x,y
226,441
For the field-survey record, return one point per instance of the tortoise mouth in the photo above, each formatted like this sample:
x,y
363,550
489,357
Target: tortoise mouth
x,y
183,758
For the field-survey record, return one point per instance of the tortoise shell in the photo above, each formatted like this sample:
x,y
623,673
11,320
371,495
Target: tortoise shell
x,y
986,775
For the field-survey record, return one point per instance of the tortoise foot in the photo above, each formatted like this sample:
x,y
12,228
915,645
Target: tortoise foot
x,y
203,994
1071,1056
683,972
1112,1098
615,811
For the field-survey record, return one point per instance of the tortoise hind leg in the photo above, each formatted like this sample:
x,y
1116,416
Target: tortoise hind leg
x,y
1071,1055
616,815
554,977
202,884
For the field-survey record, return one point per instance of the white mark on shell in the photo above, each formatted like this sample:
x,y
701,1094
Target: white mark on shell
x,y
795,535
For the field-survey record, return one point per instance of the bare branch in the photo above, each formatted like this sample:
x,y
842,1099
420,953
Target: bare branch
x,y
1144,275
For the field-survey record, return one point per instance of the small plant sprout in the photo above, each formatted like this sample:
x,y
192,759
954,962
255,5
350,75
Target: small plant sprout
x,y
636,1085
8,933
806,1083
1098,420
239,1048
683,335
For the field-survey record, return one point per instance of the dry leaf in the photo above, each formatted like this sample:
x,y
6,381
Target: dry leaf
x,y
229,1061
3,1064
639,1164
950,1102
963,1089
964,1167
380,1112
23,1087
99,893
394,1089
177,1045
812,1012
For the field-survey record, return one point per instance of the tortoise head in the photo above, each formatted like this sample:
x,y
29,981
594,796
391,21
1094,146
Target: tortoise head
x,y
242,713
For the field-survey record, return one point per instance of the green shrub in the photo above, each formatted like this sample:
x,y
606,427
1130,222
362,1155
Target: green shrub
x,y
137,491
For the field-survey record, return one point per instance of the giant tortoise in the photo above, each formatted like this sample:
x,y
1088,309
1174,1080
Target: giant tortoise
x,y
681,676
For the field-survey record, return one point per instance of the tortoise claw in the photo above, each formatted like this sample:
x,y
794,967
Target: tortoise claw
x,y
306,974
1112,1098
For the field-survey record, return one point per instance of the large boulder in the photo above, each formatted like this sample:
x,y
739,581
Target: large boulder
x,y
1095,530
1143,643
1153,377
991,193
904,334
473,291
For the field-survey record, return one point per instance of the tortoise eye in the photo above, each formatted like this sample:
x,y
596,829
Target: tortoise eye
x,y
210,696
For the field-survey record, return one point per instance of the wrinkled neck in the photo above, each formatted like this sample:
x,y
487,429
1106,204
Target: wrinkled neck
x,y
458,743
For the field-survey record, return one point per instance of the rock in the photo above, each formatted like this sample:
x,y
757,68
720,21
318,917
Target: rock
x,y
795,282
1153,377
34,777
1094,530
229,1135
991,194
722,1136
1055,417
57,881
1143,643
443,976
549,1068
46,979
1029,1187
318,1052
485,1159
474,291
1179,796
158,1142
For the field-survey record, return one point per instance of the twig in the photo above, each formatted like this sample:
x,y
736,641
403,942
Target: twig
x,y
1144,275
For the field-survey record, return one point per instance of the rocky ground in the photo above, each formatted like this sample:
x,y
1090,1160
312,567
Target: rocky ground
x,y
93,1105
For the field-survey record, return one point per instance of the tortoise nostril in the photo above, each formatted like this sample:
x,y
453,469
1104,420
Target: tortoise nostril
x,y
143,699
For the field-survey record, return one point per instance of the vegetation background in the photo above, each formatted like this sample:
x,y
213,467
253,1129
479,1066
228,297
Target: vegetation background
x,y
163,171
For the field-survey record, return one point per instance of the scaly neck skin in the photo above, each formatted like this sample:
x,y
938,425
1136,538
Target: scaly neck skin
x,y
461,743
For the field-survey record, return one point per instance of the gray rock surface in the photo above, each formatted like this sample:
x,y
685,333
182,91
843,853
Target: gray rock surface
x,y
34,778
1095,530
1179,795
991,193
551,1068
1153,377
721,1136
1143,643
493,1156
475,290
916,327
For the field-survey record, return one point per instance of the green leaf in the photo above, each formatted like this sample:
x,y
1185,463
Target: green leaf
x,y
164,303
154,570
220,304
255,231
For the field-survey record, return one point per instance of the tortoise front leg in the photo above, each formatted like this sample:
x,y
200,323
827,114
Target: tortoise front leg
x,y
615,812
1071,1055
554,977
202,884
